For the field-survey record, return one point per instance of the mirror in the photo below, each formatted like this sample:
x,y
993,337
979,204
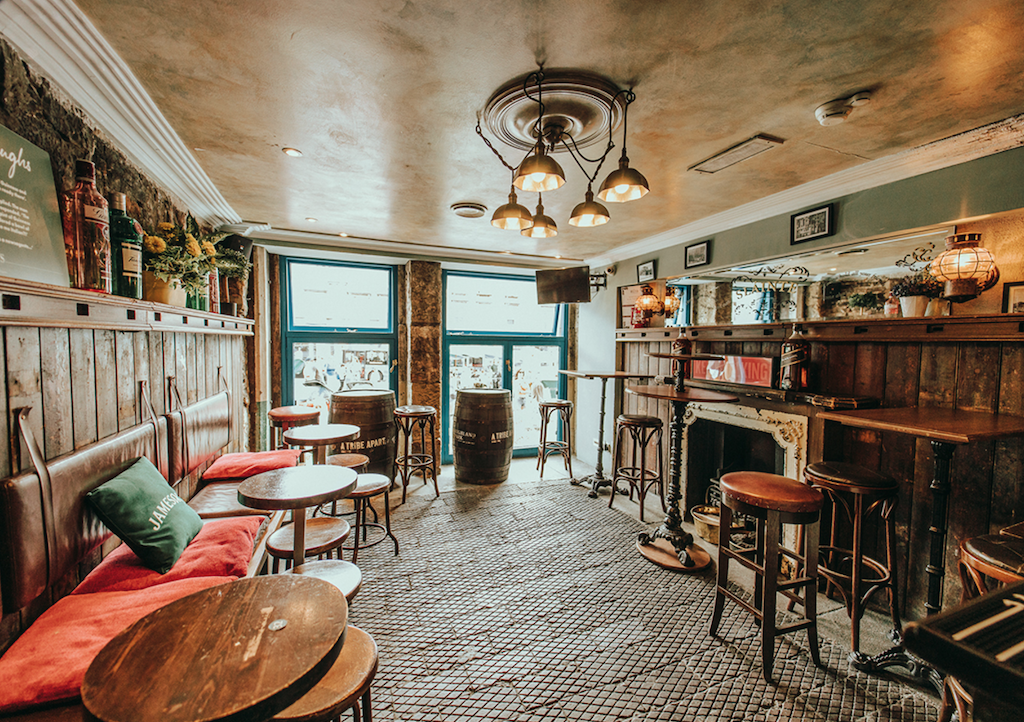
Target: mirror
x,y
856,279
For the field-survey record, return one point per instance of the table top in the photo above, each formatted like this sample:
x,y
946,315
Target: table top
x,y
951,425
243,650
669,393
688,356
321,434
605,374
296,487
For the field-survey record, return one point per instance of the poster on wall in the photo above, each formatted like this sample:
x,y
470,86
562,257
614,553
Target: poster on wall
x,y
31,239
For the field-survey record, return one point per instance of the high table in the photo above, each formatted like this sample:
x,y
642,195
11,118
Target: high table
x,y
239,651
597,479
320,436
671,530
297,488
945,428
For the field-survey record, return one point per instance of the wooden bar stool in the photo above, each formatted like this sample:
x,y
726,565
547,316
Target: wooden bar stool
x,y
564,410
408,419
773,501
286,417
367,487
323,536
855,576
641,430
345,686
356,462
346,576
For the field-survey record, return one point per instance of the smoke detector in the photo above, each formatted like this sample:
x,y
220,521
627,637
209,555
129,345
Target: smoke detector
x,y
468,209
835,112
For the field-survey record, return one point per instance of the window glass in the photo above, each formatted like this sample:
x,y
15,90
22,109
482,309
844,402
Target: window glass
x,y
507,306
334,296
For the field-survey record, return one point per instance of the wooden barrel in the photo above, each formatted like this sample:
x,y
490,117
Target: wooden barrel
x,y
373,411
482,435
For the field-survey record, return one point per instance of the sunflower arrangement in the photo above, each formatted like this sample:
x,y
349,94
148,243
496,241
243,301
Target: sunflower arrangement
x,y
181,255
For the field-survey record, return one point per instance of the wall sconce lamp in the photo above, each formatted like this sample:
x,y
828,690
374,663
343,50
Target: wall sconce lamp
x,y
966,268
671,301
648,303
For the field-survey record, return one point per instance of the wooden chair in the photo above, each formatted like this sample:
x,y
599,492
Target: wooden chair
x,y
640,431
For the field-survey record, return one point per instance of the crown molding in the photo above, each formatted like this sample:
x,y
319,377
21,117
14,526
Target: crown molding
x,y
58,39
973,144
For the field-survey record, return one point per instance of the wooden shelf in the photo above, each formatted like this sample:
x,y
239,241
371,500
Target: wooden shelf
x,y
24,303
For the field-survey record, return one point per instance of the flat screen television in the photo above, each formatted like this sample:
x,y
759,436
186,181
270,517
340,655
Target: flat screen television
x,y
564,285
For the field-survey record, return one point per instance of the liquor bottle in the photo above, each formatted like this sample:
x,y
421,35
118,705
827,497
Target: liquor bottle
x,y
126,249
87,232
794,362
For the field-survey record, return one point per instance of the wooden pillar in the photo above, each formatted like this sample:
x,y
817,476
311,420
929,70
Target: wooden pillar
x,y
423,303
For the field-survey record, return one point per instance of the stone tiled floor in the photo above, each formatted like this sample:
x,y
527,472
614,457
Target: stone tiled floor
x,y
527,602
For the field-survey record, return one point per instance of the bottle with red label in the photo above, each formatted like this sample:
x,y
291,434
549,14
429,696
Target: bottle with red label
x,y
795,354
87,232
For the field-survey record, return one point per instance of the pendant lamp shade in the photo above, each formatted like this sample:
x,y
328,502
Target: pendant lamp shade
x,y
539,173
624,184
589,213
966,267
543,226
512,216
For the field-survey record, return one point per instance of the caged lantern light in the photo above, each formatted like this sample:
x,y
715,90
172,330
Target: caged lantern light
x,y
560,111
966,268
648,303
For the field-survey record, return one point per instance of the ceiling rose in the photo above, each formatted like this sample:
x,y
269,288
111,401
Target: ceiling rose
x,y
585,106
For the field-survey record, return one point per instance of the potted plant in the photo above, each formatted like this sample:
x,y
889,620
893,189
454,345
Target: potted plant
x,y
176,264
865,302
915,291
233,268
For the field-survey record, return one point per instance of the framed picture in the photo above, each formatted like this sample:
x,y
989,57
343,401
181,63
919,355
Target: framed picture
x,y
809,225
645,271
698,254
1013,297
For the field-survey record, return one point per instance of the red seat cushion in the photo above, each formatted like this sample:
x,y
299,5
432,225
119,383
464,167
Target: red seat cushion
x,y
242,465
47,663
222,548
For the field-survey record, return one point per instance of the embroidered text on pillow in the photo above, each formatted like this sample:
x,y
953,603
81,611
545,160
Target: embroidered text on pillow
x,y
165,505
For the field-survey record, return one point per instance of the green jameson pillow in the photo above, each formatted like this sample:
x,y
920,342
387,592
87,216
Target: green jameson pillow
x,y
141,508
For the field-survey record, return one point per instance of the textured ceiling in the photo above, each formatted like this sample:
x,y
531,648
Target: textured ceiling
x,y
382,98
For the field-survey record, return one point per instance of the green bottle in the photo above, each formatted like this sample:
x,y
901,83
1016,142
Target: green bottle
x,y
126,249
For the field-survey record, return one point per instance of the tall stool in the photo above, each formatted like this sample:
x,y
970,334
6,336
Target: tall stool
x,y
641,430
356,462
855,576
367,487
323,535
345,686
996,557
772,500
287,417
408,419
564,410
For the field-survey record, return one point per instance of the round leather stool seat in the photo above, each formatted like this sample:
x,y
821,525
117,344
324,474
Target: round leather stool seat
x,y
346,576
414,410
638,420
555,403
345,685
849,477
323,534
367,486
997,555
772,492
349,461
370,485
293,415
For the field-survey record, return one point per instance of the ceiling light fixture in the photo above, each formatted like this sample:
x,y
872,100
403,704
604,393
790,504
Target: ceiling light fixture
x,y
543,226
737,153
582,107
293,152
468,209
311,220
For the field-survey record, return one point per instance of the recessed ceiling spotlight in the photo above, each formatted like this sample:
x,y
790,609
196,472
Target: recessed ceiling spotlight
x,y
835,112
293,152
343,235
199,150
469,209
311,220
832,270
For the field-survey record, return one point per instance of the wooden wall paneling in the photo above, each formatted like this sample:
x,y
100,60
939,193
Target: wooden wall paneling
x,y
938,375
24,387
1008,466
83,386
181,366
751,348
840,376
203,368
157,395
239,384
734,348
817,372
106,383
192,370
124,351
141,340
638,364
55,363
5,430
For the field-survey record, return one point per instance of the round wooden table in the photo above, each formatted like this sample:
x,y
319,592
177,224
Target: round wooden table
x,y
669,545
239,651
297,487
320,436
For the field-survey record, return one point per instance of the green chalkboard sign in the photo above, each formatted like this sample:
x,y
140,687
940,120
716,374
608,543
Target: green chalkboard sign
x,y
31,238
